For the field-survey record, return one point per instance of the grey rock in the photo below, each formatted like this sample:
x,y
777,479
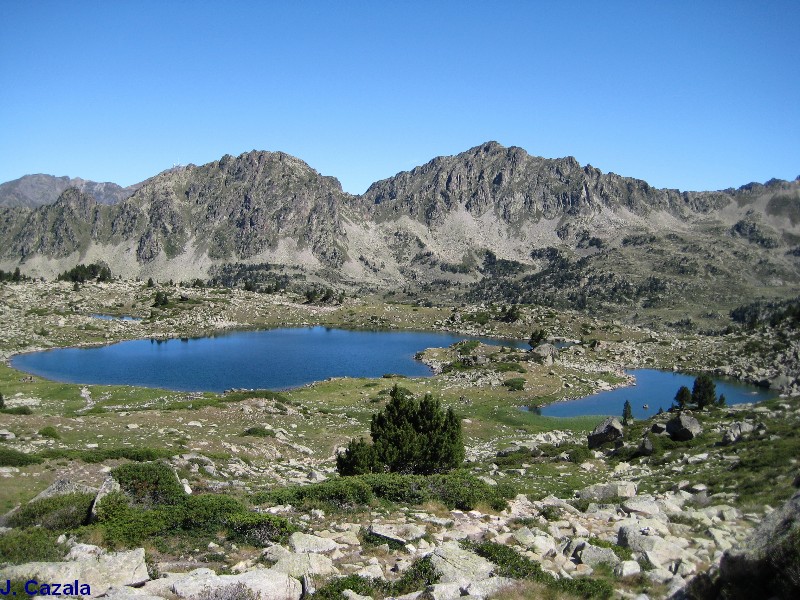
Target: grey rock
x,y
684,428
304,542
607,431
309,563
627,568
108,486
608,491
100,572
62,487
270,584
735,432
594,555
402,533
457,565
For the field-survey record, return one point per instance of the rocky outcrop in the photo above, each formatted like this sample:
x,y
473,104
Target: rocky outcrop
x,y
683,428
607,431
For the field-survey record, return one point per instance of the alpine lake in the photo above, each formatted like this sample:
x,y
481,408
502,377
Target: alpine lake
x,y
291,357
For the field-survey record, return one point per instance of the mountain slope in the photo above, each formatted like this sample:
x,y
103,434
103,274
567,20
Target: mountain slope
x,y
489,223
32,191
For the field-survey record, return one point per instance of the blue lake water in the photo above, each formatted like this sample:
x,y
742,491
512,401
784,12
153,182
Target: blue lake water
x,y
272,359
653,388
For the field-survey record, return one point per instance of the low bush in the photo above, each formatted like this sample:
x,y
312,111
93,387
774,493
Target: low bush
x,y
150,484
33,544
57,513
511,563
236,591
622,553
259,431
515,384
97,455
209,512
127,525
258,529
17,410
50,432
405,489
507,367
339,493
14,458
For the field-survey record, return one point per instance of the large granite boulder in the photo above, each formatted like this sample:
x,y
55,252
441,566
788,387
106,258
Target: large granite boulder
x,y
607,431
735,432
683,428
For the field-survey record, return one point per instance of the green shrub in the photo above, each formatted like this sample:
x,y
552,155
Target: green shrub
x,y
465,491
333,589
579,454
466,347
510,563
340,493
515,384
418,576
56,513
622,553
209,512
259,431
408,436
258,528
150,483
17,410
506,367
405,489
14,458
27,545
50,432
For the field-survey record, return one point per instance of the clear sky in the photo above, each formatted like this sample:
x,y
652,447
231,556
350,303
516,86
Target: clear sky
x,y
690,95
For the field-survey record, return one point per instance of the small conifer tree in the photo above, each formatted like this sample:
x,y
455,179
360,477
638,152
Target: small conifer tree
x,y
704,392
627,413
683,398
408,436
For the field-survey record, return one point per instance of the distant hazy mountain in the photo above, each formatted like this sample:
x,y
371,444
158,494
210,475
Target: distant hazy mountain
x,y
37,190
494,223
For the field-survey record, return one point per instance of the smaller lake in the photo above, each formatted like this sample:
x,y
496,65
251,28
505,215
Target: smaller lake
x,y
271,359
653,388
113,318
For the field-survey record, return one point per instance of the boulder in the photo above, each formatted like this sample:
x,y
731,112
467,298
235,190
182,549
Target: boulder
x,y
735,432
309,563
402,534
266,582
5,434
765,564
658,428
594,555
305,542
607,431
600,492
645,447
656,549
98,569
642,506
61,487
545,354
627,568
457,565
108,486
683,428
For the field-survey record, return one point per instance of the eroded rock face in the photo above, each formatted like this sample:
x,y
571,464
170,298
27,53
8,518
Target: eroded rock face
x,y
683,428
607,431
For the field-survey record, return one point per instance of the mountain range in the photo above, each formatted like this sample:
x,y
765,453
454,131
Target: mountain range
x,y
491,223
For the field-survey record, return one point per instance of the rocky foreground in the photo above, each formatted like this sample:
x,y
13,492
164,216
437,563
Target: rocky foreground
x,y
670,540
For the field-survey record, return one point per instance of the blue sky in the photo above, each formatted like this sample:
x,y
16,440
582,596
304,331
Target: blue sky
x,y
689,95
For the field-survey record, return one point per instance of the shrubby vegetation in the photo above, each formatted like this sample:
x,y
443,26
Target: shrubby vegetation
x,y
458,489
408,436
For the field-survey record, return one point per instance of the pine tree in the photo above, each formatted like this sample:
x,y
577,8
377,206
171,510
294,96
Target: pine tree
x,y
704,392
408,436
721,402
2,401
627,413
683,397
